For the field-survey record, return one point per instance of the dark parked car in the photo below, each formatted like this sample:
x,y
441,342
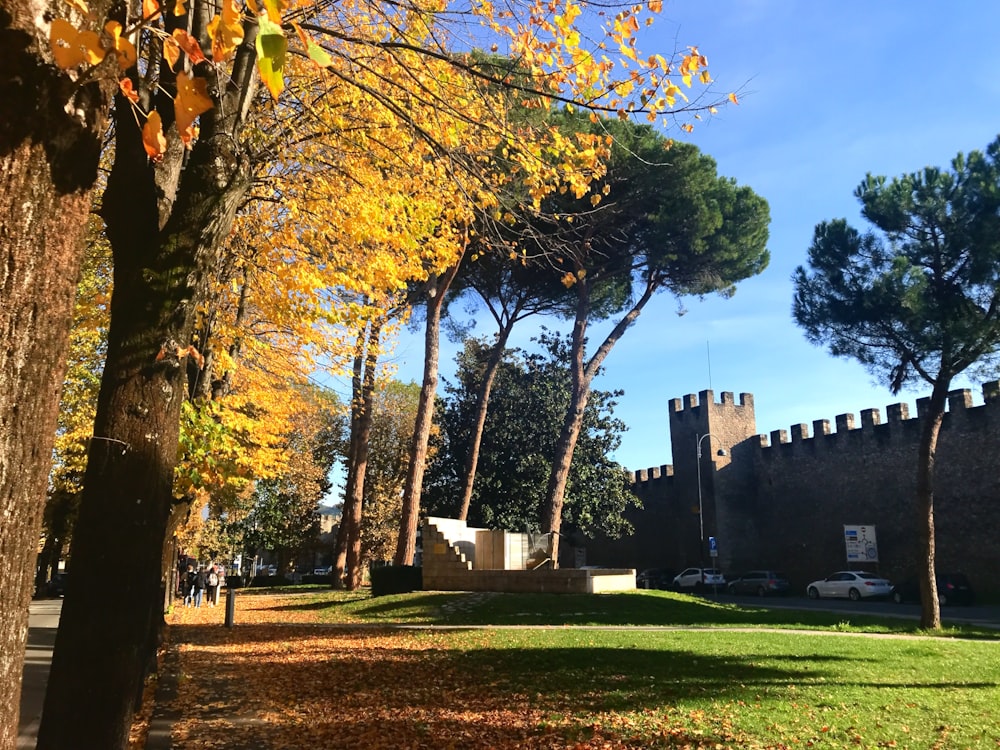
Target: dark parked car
x,y
759,582
655,578
953,588
56,586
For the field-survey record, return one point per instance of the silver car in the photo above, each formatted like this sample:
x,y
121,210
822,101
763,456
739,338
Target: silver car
x,y
698,579
850,584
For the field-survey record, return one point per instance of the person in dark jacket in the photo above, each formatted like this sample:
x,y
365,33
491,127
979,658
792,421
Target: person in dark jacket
x,y
188,582
200,581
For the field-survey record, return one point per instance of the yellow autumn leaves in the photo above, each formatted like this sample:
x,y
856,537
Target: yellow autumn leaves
x,y
72,48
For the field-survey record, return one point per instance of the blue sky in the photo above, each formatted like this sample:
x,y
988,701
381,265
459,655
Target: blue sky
x,y
829,91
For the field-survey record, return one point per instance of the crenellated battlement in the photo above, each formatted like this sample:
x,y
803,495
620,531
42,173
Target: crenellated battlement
x,y
691,402
653,474
960,404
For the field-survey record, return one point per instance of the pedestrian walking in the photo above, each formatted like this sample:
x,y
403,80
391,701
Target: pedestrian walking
x,y
189,580
199,585
213,584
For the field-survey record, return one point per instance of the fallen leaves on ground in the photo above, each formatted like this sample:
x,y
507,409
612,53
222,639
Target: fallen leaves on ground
x,y
277,680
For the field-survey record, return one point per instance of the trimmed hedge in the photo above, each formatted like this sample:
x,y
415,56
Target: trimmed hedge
x,y
396,579
313,578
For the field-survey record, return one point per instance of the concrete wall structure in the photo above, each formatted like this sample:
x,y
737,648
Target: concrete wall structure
x,y
781,501
451,566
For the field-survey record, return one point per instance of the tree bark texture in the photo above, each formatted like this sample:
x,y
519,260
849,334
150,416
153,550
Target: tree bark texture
x,y
348,512
930,608
482,408
572,422
355,573
50,131
166,224
406,544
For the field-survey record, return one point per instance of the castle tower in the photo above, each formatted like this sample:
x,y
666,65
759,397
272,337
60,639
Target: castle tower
x,y
700,425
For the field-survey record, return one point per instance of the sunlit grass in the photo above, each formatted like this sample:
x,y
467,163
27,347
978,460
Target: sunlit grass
x,y
638,608
696,674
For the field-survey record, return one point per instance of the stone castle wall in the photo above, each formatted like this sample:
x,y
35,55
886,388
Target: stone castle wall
x,y
781,501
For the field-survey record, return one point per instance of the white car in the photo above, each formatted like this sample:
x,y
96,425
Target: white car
x,y
697,579
850,584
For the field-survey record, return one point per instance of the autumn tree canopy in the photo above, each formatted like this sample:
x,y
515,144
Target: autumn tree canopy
x,y
192,131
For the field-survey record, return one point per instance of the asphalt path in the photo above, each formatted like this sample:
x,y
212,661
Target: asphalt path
x,y
43,620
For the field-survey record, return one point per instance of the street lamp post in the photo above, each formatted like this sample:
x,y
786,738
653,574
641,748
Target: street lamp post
x,y
701,508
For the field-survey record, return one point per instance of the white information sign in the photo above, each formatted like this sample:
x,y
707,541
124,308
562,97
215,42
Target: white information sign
x,y
861,543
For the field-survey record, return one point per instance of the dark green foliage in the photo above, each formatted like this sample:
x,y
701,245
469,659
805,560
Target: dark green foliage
x,y
396,579
917,297
668,219
526,412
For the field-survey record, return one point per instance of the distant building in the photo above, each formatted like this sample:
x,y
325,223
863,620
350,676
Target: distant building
x,y
329,518
782,503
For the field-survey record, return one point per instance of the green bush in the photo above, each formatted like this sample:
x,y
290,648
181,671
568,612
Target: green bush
x,y
396,579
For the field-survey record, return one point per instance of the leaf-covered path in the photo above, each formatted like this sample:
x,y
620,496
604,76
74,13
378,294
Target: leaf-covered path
x,y
279,681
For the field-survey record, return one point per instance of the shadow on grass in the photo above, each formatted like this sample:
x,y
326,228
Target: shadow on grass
x,y
430,688
390,608
621,609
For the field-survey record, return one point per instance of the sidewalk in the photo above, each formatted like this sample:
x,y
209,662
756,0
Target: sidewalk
x,y
43,620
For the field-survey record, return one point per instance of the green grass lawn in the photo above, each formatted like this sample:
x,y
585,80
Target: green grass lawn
x,y
678,671
633,608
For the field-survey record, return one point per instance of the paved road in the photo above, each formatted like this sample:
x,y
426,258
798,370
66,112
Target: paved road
x,y
43,619
986,616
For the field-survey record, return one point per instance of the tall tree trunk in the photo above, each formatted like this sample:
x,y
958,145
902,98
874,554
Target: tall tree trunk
x,y
349,512
572,421
482,408
930,428
406,545
365,417
57,525
50,136
164,254
582,375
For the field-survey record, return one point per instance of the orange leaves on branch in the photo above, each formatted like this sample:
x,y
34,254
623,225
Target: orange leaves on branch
x,y
124,49
128,91
320,57
274,8
153,139
71,47
192,99
182,41
180,352
65,45
226,31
